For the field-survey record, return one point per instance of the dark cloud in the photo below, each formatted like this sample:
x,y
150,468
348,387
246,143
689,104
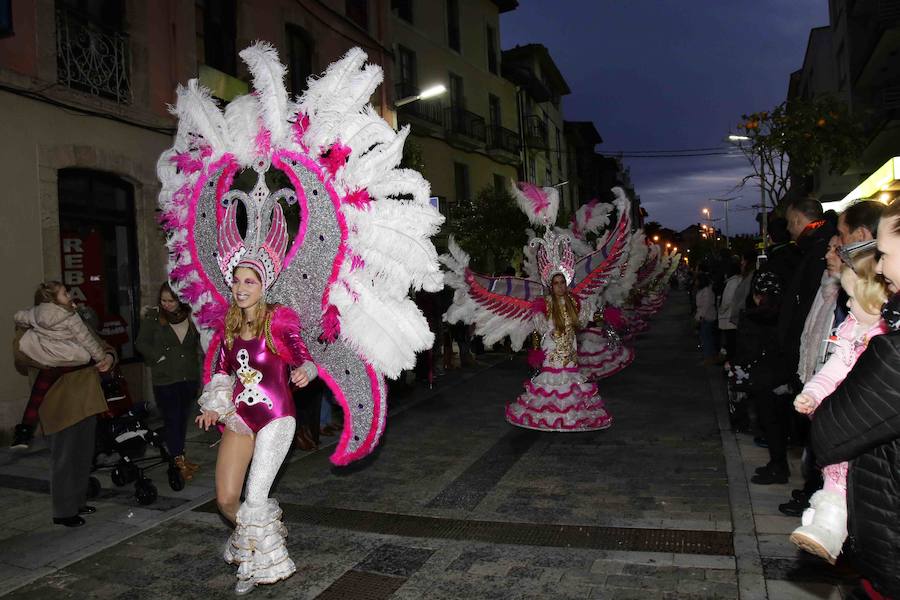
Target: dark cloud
x,y
668,74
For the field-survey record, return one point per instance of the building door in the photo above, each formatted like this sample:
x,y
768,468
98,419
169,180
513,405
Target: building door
x,y
99,252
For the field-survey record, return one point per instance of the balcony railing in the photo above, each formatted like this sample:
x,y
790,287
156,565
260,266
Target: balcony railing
x,y
90,58
501,138
536,132
463,122
427,110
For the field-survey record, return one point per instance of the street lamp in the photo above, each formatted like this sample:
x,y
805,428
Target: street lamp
x,y
726,201
435,90
655,238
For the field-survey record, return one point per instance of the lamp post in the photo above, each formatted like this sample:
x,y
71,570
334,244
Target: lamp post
x,y
764,211
435,90
726,201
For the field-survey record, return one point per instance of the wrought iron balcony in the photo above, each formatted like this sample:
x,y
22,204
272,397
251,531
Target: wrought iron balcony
x,y
431,110
463,122
536,133
90,58
501,138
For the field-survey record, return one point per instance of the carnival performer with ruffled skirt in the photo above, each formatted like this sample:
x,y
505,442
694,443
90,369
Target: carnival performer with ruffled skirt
x,y
289,303
558,398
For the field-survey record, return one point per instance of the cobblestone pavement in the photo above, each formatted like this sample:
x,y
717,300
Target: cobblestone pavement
x,y
458,504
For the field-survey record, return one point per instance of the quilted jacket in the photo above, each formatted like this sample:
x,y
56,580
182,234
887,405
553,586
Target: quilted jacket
x,y
860,423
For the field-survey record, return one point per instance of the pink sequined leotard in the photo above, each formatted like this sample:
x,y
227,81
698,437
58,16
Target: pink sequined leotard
x,y
262,390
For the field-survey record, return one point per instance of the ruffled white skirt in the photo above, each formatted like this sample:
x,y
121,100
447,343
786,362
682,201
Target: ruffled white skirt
x,y
257,544
559,399
599,356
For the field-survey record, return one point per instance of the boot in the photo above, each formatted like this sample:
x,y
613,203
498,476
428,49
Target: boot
x,y
186,473
22,437
194,467
824,526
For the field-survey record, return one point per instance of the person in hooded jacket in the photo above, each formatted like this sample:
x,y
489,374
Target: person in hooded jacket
x,y
811,232
860,423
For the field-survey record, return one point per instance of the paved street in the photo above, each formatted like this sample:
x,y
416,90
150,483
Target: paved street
x,y
458,504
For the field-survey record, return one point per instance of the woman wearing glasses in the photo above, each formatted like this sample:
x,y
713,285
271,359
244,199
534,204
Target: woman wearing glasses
x,y
860,423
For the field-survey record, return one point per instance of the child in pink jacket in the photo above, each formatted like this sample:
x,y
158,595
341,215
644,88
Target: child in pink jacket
x,y
825,521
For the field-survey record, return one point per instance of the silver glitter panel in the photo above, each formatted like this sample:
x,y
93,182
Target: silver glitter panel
x,y
302,285
206,233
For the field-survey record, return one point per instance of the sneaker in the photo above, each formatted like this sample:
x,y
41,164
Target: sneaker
x,y
22,437
112,389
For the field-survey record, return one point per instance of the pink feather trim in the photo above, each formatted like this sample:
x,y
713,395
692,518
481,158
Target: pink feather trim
x,y
536,358
212,315
614,317
299,128
539,306
263,141
359,199
331,324
336,157
537,197
285,323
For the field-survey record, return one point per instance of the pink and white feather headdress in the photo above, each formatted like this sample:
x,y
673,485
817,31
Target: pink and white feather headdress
x,y
554,250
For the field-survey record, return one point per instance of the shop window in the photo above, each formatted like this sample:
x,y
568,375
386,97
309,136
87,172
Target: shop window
x,y
99,252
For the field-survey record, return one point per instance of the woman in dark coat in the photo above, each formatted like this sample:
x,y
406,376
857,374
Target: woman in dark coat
x,y
860,423
170,344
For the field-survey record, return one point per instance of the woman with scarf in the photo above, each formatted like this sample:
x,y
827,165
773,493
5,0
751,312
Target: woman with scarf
x,y
860,423
170,344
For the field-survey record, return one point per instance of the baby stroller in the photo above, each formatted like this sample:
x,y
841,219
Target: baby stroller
x,y
739,397
121,447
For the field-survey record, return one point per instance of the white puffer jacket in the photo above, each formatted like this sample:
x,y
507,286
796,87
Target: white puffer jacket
x,y
57,337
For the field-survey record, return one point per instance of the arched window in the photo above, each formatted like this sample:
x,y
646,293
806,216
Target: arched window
x,y
99,251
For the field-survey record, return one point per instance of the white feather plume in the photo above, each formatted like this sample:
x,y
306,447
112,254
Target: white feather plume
x,y
268,80
197,111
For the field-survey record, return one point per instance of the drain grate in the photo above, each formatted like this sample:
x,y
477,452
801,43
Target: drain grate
x,y
629,539
360,585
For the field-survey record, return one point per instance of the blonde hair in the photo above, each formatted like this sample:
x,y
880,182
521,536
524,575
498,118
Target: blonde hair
x,y
234,318
560,308
47,292
869,291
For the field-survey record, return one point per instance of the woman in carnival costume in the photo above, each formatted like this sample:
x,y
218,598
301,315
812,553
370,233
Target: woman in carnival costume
x,y
326,297
558,398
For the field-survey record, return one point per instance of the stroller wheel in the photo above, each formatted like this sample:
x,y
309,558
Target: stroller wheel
x,y
124,473
93,487
176,481
145,491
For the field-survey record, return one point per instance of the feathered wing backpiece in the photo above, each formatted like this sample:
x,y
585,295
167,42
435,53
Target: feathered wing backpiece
x,y
504,306
363,238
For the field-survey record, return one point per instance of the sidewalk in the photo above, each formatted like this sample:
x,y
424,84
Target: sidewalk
x,y
766,556
456,503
